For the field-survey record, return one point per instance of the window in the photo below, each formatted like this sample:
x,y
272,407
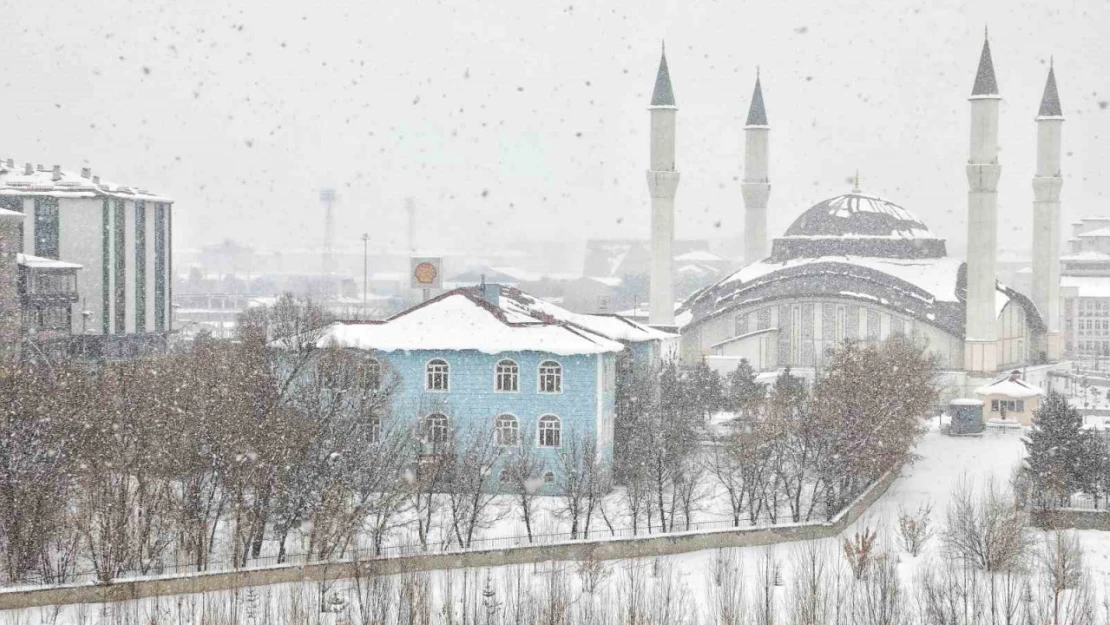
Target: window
x,y
438,374
897,326
46,227
872,325
841,323
551,377
435,428
507,377
549,478
1009,405
504,476
550,430
375,430
741,324
369,372
507,431
763,319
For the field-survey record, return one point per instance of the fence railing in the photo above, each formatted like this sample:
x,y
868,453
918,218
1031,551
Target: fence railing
x,y
408,546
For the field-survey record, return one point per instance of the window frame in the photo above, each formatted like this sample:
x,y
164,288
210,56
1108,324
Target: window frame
x,y
557,377
497,429
541,431
497,376
429,434
368,363
549,477
446,373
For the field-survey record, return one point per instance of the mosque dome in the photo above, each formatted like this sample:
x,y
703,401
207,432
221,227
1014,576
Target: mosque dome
x,y
856,224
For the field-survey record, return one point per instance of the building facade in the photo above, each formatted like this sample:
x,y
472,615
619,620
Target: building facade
x,y
495,360
859,267
1085,289
120,236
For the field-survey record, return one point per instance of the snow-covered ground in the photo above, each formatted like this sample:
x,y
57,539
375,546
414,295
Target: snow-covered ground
x,y
942,463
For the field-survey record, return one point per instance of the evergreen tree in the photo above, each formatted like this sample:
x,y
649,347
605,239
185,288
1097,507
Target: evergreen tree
x,y
743,392
1061,457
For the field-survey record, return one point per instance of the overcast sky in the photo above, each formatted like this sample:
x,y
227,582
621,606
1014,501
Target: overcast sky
x,y
509,120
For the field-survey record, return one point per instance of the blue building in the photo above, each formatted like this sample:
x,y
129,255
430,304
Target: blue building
x,y
495,359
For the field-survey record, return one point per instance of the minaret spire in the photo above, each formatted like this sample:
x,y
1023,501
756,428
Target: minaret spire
x,y
985,83
662,179
757,113
1047,184
983,171
1050,99
757,185
663,95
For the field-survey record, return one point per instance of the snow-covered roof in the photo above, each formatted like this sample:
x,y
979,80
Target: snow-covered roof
x,y
613,327
700,256
1101,232
606,281
65,184
937,276
929,289
963,401
1010,387
5,213
462,320
858,214
38,262
1087,255
1087,286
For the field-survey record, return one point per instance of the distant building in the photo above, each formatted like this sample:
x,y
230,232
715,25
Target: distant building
x,y
1010,398
1085,289
493,357
120,238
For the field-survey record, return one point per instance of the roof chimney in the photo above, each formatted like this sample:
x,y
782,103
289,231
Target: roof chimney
x,y
96,179
86,172
28,169
40,167
11,163
57,173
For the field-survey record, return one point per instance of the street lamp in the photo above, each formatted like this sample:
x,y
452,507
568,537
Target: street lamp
x,y
365,275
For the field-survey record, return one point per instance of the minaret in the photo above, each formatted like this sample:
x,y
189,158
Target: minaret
x,y
1047,183
756,186
983,171
662,182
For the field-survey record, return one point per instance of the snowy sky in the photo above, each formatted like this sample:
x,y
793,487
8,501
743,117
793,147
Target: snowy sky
x,y
527,119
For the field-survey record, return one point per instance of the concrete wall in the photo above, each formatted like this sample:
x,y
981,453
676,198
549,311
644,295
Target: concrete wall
x,y
640,547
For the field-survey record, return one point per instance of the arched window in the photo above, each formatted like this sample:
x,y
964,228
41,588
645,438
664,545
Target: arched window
x,y
507,377
507,430
438,375
549,478
375,430
551,377
504,476
370,373
549,431
435,428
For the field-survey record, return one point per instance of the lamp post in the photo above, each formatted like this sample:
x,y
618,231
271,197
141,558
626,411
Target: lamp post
x,y
365,275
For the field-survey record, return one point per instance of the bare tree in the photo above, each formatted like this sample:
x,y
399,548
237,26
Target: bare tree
x,y
472,488
523,473
915,528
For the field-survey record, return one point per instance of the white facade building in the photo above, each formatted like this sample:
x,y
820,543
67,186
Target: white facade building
x,y
859,267
120,235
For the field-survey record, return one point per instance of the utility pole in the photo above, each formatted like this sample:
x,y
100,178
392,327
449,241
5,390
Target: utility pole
x,y
327,198
365,274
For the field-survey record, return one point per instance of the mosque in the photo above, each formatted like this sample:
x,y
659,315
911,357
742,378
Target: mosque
x,y
861,267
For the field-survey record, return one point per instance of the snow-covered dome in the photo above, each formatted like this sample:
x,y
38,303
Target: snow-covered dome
x,y
856,224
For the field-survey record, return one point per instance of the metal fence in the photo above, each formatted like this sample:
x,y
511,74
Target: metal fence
x,y
409,546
